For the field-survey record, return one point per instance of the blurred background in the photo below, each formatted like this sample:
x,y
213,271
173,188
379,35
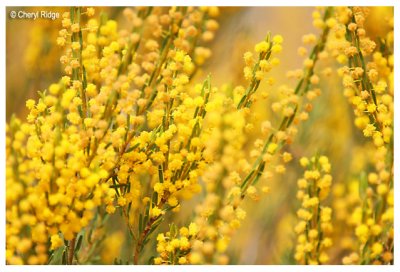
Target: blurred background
x,y
266,235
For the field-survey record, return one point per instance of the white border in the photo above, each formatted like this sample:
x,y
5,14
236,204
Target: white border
x,y
3,15
201,3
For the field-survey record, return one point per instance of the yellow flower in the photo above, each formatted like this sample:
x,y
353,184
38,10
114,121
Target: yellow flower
x,y
110,209
261,47
90,12
277,39
276,48
30,103
377,249
182,260
56,241
272,148
54,89
369,129
155,212
362,233
304,161
75,27
193,229
287,157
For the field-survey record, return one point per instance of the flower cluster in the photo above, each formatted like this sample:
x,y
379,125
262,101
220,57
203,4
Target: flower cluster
x,y
121,111
315,219
232,177
174,246
368,84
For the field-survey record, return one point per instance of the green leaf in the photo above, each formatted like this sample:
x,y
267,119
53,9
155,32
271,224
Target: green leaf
x,y
117,261
154,198
151,260
140,223
118,186
81,44
115,180
79,243
246,180
146,214
363,185
72,11
80,111
366,253
57,256
155,225
168,207
90,236
84,83
173,230
132,148
378,206
64,257
160,174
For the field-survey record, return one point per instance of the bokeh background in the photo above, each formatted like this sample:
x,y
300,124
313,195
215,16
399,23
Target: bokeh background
x,y
266,236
